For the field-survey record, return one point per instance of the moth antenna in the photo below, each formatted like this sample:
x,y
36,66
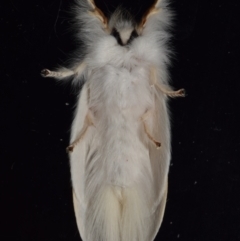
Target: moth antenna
x,y
96,12
92,3
155,8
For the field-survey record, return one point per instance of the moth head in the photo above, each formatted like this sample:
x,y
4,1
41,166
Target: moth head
x,y
122,27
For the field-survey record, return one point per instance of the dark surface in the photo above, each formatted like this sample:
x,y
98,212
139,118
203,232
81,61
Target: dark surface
x,y
36,114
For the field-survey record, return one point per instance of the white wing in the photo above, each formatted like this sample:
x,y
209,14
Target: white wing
x,y
77,159
160,160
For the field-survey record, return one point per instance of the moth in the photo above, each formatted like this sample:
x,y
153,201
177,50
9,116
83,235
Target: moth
x,y
120,138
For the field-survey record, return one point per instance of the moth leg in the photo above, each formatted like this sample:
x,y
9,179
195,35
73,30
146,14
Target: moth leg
x,y
146,129
158,144
171,93
64,72
162,88
87,122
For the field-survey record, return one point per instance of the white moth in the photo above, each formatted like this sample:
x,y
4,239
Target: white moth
x,y
120,139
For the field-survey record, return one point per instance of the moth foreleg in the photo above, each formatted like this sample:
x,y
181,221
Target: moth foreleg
x,y
146,129
64,72
162,88
171,93
87,123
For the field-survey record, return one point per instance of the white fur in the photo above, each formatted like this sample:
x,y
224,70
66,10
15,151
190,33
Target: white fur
x,y
119,177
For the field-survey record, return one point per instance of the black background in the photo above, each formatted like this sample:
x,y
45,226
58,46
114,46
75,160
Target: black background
x,y
203,202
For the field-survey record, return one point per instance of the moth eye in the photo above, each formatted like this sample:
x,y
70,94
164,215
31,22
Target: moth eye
x,y
116,35
134,35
